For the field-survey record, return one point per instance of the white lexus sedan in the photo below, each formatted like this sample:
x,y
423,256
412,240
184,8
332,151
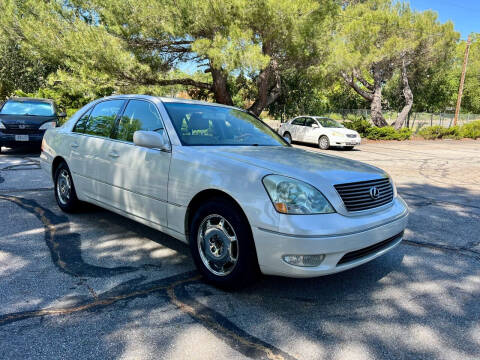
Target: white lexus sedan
x,y
221,180
320,131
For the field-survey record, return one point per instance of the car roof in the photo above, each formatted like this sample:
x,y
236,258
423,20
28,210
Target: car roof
x,y
24,99
166,100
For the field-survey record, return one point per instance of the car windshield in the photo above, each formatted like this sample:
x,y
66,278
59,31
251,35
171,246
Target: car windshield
x,y
329,123
198,124
28,108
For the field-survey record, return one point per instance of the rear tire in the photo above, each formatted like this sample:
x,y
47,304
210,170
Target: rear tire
x,y
65,193
323,142
222,245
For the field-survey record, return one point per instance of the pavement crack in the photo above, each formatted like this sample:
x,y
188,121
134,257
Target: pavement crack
x,y
457,249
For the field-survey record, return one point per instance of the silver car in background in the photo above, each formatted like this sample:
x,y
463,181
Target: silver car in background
x,y
320,131
222,181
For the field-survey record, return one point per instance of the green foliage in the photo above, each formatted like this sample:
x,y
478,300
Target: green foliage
x,y
471,130
388,133
367,130
358,124
440,132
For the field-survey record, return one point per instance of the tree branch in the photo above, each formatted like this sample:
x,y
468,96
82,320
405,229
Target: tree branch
x,y
362,80
350,80
167,82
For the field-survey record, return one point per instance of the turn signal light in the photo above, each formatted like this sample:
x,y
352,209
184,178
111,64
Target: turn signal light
x,y
281,208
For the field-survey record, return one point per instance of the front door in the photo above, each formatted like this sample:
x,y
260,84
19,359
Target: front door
x,y
310,132
296,128
139,175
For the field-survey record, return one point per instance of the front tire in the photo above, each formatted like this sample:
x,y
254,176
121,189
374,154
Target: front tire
x,y
323,142
222,245
65,193
288,136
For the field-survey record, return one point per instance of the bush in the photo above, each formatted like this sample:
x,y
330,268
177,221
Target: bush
x,y
388,133
471,130
440,132
359,125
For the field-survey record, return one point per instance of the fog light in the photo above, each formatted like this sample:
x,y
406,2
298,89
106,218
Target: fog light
x,y
304,260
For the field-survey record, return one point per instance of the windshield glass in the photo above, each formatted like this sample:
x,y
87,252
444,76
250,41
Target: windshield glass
x,y
329,123
27,108
214,125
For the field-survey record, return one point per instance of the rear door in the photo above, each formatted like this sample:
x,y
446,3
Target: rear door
x,y
139,175
90,149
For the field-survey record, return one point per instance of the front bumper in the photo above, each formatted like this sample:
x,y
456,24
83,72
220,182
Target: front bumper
x,y
343,141
272,246
9,139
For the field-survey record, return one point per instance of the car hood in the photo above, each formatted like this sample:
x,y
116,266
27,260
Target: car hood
x,y
316,168
28,120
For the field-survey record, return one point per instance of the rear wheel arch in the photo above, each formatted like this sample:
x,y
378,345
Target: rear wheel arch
x,y
55,163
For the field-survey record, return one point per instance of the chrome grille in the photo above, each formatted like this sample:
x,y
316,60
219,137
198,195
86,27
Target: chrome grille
x,y
356,196
351,135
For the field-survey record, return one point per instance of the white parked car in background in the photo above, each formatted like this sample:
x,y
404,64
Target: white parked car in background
x,y
318,130
222,181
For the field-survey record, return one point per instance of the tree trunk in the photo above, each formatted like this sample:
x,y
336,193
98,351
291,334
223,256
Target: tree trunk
x,y
269,88
372,93
220,88
376,104
408,95
376,107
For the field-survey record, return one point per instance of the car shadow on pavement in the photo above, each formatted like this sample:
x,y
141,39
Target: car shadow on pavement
x,y
418,301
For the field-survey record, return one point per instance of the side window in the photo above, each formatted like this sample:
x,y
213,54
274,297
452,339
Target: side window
x,y
138,115
102,118
82,123
299,121
309,122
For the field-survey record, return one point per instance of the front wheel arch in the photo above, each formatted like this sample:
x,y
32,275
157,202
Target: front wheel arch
x,y
205,195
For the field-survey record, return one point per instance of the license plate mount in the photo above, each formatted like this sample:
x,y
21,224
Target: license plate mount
x,y
21,138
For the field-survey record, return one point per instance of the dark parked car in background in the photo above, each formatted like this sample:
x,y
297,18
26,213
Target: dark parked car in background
x,y
23,121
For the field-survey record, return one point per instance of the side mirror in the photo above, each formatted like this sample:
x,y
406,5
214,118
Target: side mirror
x,y
287,139
63,114
315,126
151,140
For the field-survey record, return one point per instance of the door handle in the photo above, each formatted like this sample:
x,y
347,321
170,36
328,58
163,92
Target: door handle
x,y
113,154
74,145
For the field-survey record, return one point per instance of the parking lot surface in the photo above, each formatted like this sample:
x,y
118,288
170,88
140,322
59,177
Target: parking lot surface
x,y
95,285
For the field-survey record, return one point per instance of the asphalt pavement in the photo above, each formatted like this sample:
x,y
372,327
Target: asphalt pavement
x,y
95,285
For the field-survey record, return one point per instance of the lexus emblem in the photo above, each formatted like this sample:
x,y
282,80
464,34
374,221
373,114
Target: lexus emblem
x,y
374,192
21,126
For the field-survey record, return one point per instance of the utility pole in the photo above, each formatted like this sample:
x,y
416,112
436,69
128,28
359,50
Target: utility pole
x,y
462,81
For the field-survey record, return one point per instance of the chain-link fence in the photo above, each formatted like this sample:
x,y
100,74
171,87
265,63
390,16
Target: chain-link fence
x,y
415,121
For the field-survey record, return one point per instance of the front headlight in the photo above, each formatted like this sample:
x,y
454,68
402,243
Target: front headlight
x,y
290,196
393,186
336,133
48,125
2,126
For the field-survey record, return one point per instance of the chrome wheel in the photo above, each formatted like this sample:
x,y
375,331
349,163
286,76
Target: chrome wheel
x,y
64,187
324,143
217,245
